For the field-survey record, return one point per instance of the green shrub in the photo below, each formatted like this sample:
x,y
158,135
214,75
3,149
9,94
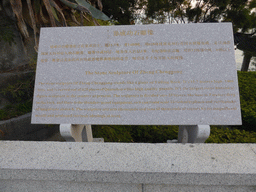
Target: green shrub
x,y
154,133
247,89
226,135
135,133
160,134
21,90
15,110
112,133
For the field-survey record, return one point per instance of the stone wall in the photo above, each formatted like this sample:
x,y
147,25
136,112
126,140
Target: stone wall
x,y
126,167
20,128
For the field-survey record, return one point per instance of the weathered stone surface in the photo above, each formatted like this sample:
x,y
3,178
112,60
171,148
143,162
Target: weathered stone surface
x,y
126,167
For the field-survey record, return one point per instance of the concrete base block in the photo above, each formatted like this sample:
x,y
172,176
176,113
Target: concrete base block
x,y
69,166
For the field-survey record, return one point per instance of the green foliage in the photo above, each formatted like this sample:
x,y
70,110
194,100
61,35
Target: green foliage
x,y
247,89
134,133
153,134
160,134
20,93
15,110
226,135
104,23
21,90
241,19
112,133
239,12
120,11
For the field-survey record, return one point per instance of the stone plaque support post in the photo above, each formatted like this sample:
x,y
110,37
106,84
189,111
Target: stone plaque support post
x,y
78,133
193,133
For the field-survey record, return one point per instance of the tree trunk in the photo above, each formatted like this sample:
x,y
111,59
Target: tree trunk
x,y
246,61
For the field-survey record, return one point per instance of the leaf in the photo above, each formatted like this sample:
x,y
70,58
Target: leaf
x,y
69,4
73,18
50,13
42,16
97,14
60,12
252,4
55,14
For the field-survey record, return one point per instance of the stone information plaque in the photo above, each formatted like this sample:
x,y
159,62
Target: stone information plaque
x,y
142,74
